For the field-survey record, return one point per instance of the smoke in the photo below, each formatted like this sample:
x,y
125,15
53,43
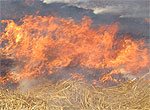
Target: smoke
x,y
107,9
26,84
65,1
133,8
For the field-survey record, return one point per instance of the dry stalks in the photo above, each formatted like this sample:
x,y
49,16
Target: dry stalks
x,y
77,95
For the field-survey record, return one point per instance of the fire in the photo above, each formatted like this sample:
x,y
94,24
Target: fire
x,y
43,45
147,20
76,76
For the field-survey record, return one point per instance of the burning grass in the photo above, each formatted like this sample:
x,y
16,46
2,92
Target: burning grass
x,y
41,45
38,46
78,95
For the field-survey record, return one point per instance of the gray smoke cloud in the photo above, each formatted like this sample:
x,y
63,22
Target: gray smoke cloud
x,y
65,1
125,8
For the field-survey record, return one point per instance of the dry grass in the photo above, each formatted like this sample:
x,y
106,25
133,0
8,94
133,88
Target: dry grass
x,y
77,95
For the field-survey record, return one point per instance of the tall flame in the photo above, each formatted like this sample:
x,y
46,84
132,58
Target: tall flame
x,y
43,45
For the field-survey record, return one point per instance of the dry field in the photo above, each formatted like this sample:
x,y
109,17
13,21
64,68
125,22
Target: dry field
x,y
78,95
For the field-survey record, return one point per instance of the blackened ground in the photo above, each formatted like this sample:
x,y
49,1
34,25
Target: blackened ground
x,y
5,66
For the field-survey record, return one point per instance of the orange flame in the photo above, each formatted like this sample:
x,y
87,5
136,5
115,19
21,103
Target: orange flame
x,y
147,20
76,76
43,45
